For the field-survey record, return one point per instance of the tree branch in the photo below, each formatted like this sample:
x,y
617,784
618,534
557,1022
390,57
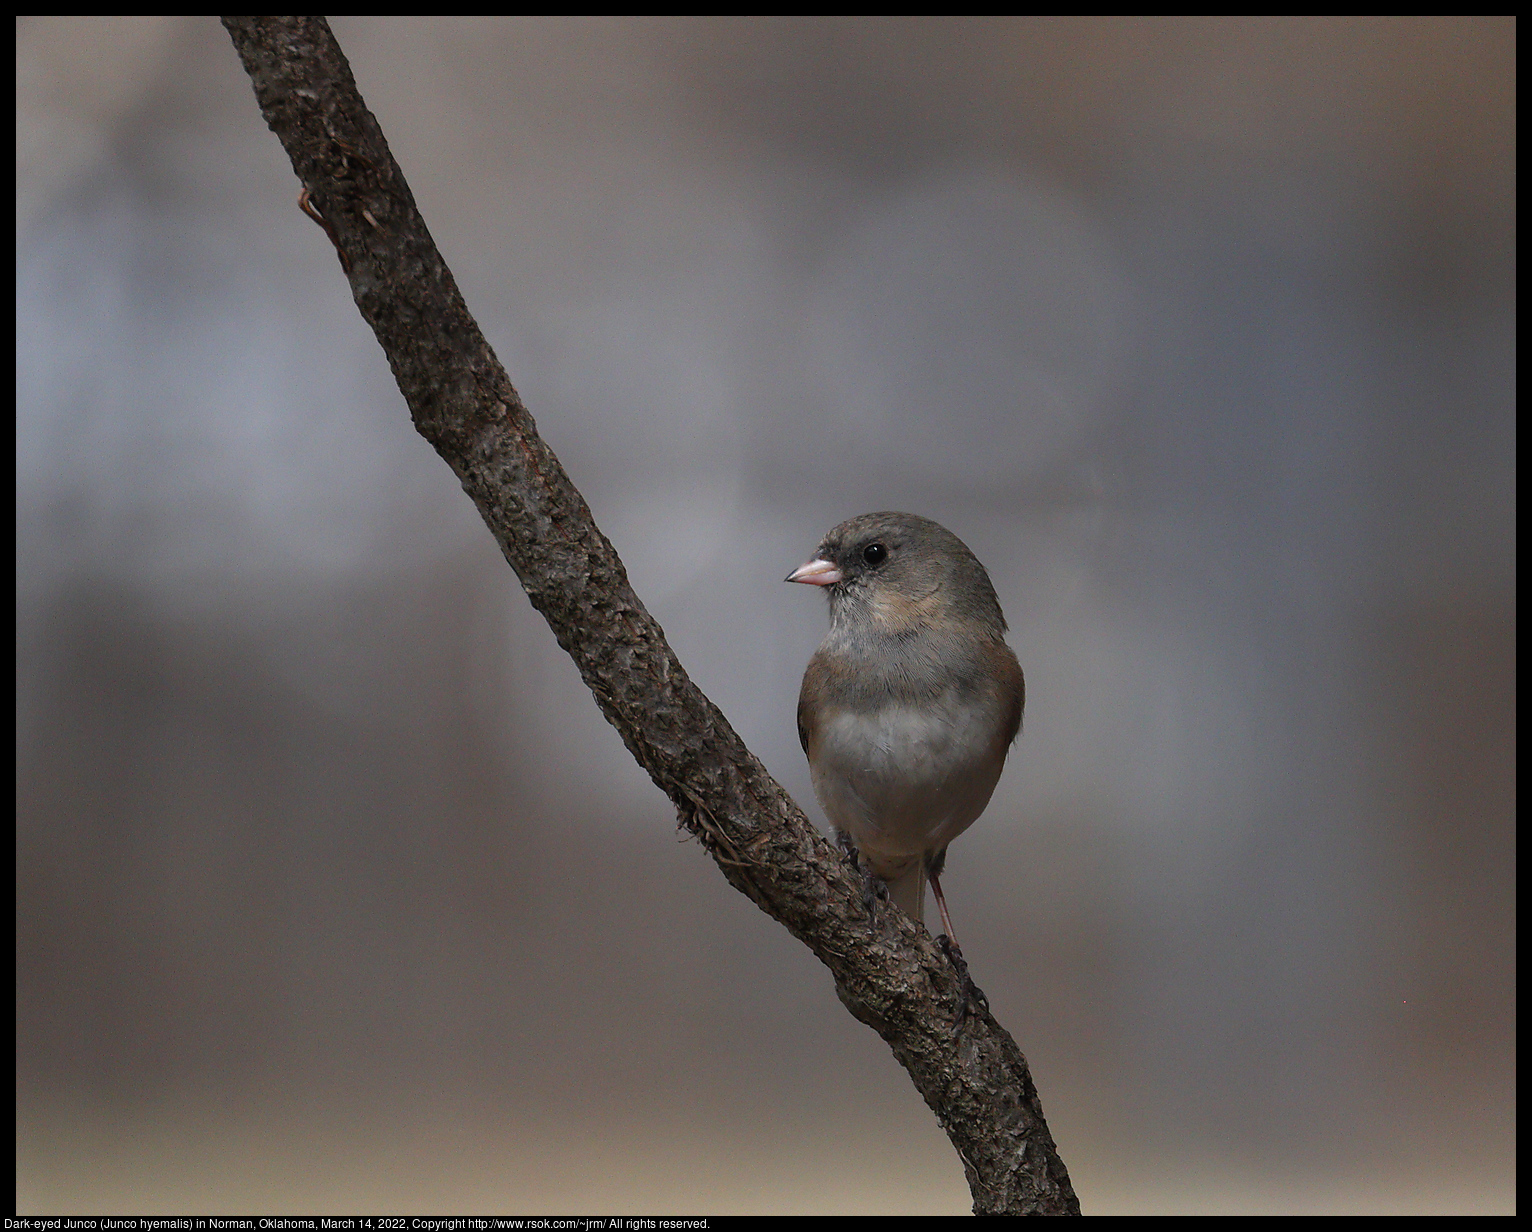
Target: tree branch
x,y
894,979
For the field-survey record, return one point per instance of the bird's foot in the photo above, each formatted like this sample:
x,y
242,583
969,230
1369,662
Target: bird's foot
x,y
974,999
872,884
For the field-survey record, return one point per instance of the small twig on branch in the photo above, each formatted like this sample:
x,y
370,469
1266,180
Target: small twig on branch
x,y
965,1065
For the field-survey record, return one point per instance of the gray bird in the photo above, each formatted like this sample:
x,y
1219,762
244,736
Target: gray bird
x,y
913,699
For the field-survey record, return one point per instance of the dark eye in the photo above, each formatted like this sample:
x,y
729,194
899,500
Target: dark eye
x,y
875,554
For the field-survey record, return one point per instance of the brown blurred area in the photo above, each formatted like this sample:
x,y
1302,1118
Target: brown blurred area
x,y
334,891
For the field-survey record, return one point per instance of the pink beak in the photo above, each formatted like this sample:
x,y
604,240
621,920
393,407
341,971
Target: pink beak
x,y
815,573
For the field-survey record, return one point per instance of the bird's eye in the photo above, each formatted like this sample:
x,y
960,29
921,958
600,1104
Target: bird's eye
x,y
875,554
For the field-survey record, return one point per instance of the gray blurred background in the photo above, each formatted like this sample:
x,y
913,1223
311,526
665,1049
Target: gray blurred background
x,y
334,890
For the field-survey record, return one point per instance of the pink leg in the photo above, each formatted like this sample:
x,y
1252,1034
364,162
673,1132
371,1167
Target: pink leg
x,y
941,905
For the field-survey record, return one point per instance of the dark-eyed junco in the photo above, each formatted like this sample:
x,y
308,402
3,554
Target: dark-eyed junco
x,y
912,701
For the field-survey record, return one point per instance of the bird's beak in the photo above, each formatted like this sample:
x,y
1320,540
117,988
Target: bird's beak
x,y
815,573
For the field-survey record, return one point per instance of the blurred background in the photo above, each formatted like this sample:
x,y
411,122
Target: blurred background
x,y
336,893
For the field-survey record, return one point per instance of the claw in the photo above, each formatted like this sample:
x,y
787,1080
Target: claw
x,y
872,884
974,999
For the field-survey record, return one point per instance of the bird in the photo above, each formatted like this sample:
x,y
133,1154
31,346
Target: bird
x,y
913,700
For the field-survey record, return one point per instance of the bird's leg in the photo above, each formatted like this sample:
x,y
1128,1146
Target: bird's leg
x,y
972,995
871,882
933,872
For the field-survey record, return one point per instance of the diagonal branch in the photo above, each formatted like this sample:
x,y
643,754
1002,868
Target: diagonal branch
x,y
896,980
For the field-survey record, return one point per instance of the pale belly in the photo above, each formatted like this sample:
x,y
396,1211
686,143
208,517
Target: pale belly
x,y
904,782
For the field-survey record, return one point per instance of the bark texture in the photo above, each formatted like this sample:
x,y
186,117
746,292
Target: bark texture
x,y
894,979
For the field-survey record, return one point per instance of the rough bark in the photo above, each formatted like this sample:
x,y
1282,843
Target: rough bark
x,y
895,979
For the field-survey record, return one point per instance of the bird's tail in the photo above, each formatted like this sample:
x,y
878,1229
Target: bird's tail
x,y
908,891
